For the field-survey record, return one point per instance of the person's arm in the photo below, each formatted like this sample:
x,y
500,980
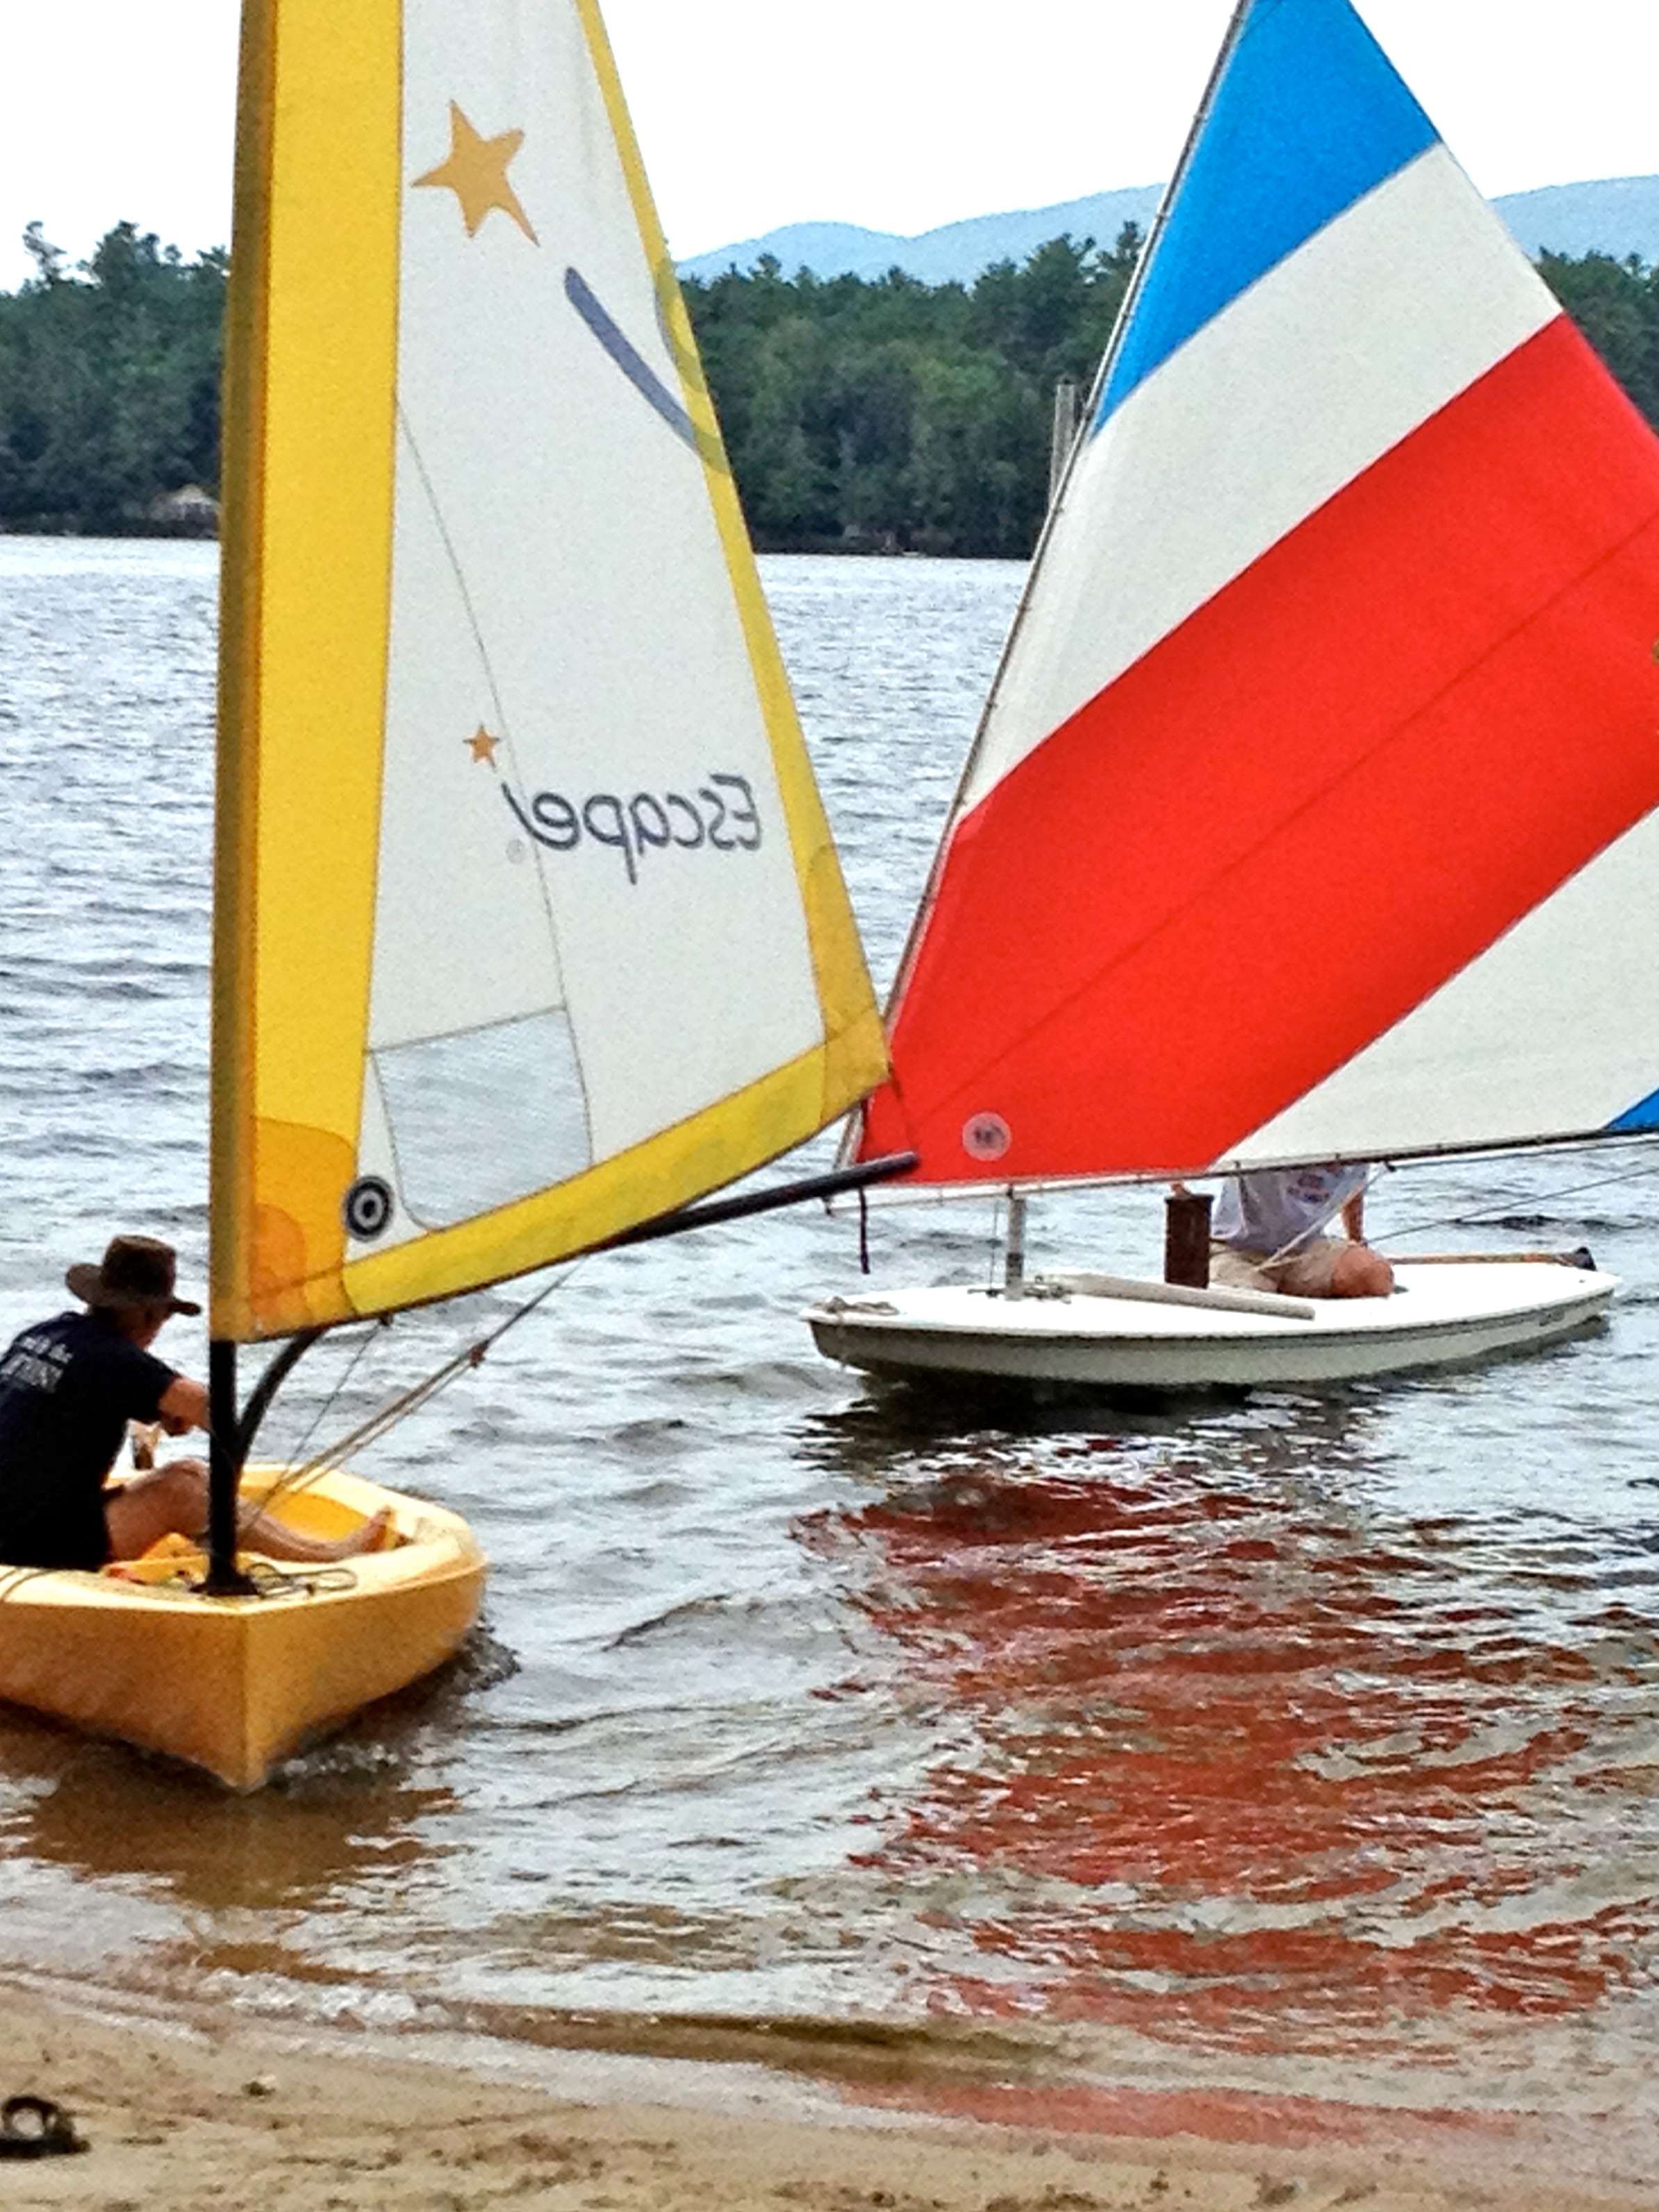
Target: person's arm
x,y
1353,1218
184,1405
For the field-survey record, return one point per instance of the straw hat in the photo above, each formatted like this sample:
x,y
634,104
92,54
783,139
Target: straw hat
x,y
136,1271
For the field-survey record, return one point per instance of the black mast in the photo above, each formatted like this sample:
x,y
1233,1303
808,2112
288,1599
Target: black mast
x,y
224,1577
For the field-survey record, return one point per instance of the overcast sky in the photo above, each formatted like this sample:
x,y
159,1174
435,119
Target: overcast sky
x,y
899,115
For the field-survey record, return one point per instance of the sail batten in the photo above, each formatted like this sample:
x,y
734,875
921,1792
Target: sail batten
x,y
544,934
1323,764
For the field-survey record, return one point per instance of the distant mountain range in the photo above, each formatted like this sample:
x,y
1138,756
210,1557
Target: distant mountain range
x,y
1619,216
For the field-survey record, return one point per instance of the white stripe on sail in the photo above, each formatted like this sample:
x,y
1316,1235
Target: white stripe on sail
x,y
1552,1030
583,846
1304,382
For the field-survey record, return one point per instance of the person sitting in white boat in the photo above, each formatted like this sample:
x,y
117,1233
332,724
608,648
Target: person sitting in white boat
x,y
68,1389
1268,1231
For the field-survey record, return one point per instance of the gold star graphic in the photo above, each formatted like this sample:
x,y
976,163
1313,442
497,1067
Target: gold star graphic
x,y
483,747
476,172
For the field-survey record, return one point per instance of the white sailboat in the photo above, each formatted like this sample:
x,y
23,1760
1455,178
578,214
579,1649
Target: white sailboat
x,y
1312,817
511,788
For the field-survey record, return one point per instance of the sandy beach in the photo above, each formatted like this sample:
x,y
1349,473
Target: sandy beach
x,y
193,2120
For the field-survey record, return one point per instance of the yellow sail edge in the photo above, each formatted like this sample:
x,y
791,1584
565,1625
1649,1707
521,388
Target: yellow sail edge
x,y
296,1285
313,339
230,1090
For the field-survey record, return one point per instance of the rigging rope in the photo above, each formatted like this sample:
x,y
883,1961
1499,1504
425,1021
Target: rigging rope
x,y
370,1336
250,1509
1501,1206
295,1479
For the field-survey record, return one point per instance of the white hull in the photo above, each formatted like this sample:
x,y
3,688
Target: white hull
x,y
1439,1316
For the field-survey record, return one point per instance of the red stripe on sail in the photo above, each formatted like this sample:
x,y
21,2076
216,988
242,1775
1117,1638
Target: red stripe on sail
x,y
1310,806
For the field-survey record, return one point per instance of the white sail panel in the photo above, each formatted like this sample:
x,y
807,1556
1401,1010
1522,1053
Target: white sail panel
x,y
1385,327
579,783
1534,1038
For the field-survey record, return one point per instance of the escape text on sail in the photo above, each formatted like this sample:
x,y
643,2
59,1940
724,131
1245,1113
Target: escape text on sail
x,y
722,817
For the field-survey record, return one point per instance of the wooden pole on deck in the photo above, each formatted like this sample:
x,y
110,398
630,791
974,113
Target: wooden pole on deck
x,y
1186,1238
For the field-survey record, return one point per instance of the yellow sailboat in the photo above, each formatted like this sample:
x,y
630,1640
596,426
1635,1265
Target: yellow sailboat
x,y
529,928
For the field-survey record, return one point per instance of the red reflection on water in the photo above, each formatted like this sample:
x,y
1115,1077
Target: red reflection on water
x,y
1496,2157
1241,1775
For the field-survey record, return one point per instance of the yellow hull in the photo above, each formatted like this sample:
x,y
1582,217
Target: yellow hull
x,y
234,1684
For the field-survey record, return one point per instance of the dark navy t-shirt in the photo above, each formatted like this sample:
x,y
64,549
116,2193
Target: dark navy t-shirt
x,y
68,1389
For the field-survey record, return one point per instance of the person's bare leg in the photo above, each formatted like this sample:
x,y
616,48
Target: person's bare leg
x,y
172,1501
165,1501
1332,1268
278,1541
1360,1273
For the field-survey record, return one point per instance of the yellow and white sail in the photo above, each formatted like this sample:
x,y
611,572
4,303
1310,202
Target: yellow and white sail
x,y
529,926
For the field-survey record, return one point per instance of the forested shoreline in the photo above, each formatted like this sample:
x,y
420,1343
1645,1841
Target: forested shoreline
x,y
860,415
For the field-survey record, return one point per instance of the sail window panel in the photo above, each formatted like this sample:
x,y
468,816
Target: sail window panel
x,y
1551,1032
563,597
377,1162
478,1120
1302,384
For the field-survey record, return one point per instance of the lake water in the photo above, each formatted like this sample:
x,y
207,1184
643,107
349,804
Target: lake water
x,y
1305,1744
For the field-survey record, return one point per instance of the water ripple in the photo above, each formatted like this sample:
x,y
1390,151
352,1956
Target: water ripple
x,y
1221,1746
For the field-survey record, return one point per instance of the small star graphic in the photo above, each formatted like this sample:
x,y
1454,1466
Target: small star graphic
x,y
476,172
483,747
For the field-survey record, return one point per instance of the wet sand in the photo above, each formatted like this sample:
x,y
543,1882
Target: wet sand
x,y
190,2120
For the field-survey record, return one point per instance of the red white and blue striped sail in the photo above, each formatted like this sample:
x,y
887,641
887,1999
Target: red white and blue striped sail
x,y
1313,814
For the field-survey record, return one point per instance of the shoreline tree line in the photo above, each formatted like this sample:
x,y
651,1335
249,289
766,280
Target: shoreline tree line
x,y
884,415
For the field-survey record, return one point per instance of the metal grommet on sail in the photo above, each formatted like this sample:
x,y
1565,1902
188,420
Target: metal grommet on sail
x,y
368,1207
986,1137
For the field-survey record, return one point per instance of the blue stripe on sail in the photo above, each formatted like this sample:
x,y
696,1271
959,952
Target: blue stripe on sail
x,y
1644,1116
1307,117
628,358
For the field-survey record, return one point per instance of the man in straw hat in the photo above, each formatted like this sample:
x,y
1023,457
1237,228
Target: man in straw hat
x,y
67,1390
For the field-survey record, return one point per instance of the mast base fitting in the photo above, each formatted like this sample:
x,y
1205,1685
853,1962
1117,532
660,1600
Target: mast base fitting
x,y
227,1583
